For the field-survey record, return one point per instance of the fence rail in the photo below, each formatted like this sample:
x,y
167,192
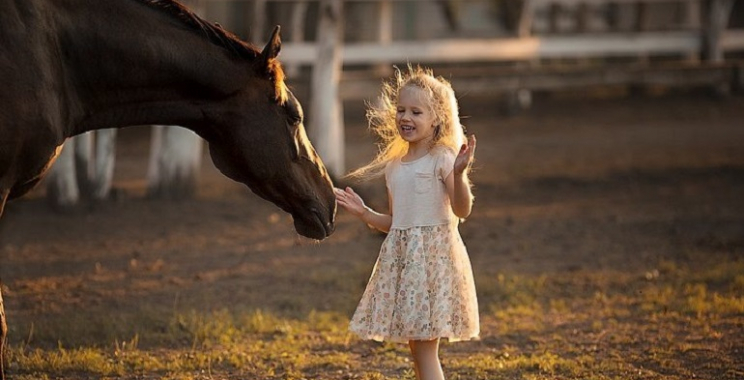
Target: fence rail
x,y
513,49
697,43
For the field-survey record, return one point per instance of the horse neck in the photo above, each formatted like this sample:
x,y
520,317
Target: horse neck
x,y
134,65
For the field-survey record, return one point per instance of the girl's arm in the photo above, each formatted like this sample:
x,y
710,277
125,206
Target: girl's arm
x,y
458,185
352,202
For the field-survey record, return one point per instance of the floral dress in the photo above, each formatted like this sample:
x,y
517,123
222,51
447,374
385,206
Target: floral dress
x,y
421,287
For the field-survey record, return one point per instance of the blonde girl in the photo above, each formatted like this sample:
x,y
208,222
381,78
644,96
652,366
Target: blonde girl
x,y
421,289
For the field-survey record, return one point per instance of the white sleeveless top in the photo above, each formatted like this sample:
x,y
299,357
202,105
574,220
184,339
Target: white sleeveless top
x,y
419,195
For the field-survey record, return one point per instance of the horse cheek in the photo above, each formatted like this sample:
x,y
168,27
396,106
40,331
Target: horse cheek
x,y
223,163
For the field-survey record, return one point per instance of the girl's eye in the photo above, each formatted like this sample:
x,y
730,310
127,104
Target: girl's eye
x,y
417,112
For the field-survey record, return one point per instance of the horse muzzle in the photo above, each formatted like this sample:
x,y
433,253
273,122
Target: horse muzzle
x,y
314,223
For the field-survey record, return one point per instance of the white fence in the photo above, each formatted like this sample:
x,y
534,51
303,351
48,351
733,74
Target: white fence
x,y
693,45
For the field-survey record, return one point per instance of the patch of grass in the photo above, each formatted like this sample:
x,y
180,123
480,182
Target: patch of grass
x,y
671,322
542,365
253,343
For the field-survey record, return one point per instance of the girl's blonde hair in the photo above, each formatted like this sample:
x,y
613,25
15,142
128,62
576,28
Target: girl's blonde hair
x,y
381,116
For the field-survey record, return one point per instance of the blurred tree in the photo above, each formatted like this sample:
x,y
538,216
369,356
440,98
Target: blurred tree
x,y
175,160
83,170
62,189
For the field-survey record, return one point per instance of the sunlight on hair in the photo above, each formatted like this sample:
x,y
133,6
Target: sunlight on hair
x,y
381,117
277,73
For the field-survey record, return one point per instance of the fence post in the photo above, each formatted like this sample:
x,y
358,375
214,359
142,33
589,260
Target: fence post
x,y
385,34
326,128
297,33
718,15
526,15
258,22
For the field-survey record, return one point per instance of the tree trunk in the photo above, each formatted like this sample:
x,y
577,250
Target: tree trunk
x,y
175,159
62,188
82,172
83,163
103,165
326,129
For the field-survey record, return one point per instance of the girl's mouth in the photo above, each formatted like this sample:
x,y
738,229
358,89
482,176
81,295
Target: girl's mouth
x,y
406,128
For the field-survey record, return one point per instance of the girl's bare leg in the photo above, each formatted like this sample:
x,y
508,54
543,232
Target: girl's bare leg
x,y
426,359
412,346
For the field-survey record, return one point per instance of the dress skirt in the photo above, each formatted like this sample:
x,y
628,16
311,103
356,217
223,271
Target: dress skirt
x,y
421,288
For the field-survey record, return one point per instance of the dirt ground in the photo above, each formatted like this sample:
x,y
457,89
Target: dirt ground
x,y
574,184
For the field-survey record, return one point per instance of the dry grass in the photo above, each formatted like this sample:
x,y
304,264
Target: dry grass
x,y
673,323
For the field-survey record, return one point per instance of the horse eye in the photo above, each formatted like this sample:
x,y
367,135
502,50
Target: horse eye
x,y
295,120
293,115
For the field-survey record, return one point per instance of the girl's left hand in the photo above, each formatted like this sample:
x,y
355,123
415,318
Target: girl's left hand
x,y
465,158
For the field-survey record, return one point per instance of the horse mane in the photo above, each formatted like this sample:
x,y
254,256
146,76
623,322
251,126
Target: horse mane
x,y
221,37
213,32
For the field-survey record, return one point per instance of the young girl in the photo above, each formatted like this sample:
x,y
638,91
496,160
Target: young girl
x,y
421,288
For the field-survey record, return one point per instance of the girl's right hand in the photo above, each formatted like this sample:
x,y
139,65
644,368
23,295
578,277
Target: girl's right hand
x,y
350,201
464,159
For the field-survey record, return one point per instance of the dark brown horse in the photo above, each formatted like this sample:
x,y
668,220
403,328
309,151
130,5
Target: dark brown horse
x,y
71,66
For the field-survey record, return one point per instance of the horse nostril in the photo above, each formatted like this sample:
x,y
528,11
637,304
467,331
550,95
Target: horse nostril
x,y
317,214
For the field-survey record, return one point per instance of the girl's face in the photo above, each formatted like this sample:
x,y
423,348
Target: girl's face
x,y
414,118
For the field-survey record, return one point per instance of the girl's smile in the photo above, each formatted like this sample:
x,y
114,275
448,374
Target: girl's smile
x,y
413,116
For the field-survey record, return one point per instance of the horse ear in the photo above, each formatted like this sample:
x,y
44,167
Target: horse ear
x,y
271,51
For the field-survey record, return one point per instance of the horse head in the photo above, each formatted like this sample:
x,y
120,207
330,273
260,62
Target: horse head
x,y
269,150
